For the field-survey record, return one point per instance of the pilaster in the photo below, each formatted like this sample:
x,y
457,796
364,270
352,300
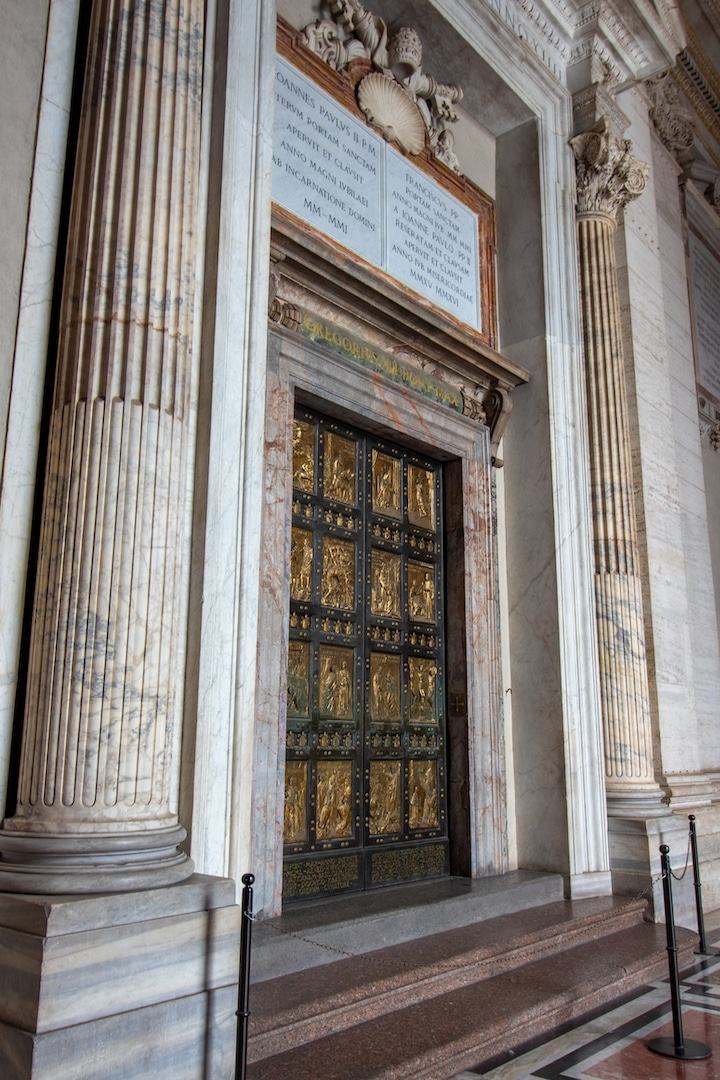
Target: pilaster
x,y
608,177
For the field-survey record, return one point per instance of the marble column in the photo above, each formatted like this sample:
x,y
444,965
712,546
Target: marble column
x,y
98,783
608,177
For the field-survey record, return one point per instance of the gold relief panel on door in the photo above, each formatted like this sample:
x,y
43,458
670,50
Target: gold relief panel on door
x,y
339,481
296,802
385,801
385,688
421,497
338,573
298,686
423,674
423,794
301,557
303,456
336,682
386,485
334,800
421,592
385,584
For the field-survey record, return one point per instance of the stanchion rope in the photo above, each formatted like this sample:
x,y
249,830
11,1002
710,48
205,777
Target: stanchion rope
x,y
679,877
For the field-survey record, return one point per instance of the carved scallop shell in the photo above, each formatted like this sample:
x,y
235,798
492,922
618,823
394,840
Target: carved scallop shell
x,y
392,111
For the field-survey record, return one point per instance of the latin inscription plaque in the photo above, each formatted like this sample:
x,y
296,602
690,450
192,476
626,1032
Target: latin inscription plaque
x,y
432,240
706,302
335,173
327,166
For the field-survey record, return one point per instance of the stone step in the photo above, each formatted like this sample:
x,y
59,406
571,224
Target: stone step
x,y
298,1008
438,1037
323,931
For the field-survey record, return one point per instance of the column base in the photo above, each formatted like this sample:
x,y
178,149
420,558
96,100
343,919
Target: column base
x,y
636,800
33,862
126,985
635,862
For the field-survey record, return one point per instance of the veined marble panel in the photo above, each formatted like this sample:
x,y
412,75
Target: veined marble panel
x,y
684,663
296,367
30,352
341,177
120,984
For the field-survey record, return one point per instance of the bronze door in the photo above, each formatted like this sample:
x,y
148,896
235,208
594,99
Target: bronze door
x,y
365,775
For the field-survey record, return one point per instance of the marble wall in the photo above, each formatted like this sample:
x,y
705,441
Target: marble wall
x,y
711,471
681,621
560,724
22,53
34,145
529,534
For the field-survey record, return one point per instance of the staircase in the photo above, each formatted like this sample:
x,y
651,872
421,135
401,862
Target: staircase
x,y
431,1007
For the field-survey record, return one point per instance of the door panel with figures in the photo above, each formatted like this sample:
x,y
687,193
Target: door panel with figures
x,y
365,774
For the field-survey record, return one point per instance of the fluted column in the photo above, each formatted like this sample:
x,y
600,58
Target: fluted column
x,y
98,785
608,177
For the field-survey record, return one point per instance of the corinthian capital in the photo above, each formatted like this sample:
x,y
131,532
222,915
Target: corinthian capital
x,y
608,176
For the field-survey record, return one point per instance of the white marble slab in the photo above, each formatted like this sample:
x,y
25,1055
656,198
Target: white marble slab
x,y
432,240
336,174
327,167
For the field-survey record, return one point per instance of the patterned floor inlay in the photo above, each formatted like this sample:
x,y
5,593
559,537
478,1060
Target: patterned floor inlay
x,y
611,1046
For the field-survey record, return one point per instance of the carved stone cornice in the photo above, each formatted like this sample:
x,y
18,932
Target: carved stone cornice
x,y
673,123
592,104
697,77
367,315
608,176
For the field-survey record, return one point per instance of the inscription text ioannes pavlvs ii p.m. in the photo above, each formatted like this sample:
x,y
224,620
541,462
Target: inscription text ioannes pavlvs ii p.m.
x,y
332,171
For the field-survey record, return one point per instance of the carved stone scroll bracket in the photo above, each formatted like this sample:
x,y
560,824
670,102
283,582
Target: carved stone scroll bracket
x,y
672,122
712,430
473,407
491,406
280,311
498,406
608,176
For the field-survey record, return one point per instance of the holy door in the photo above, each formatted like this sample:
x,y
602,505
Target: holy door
x,y
365,775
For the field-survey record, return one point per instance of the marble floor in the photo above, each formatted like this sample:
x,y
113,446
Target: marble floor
x,y
611,1045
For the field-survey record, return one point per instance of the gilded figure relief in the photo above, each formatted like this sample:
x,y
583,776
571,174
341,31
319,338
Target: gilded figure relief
x,y
336,682
339,469
303,456
385,584
422,689
421,592
296,802
423,794
386,485
297,684
421,497
385,802
384,687
338,573
334,800
301,557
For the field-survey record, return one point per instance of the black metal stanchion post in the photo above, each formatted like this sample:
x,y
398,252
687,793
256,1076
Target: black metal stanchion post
x,y
243,1012
702,949
677,1046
